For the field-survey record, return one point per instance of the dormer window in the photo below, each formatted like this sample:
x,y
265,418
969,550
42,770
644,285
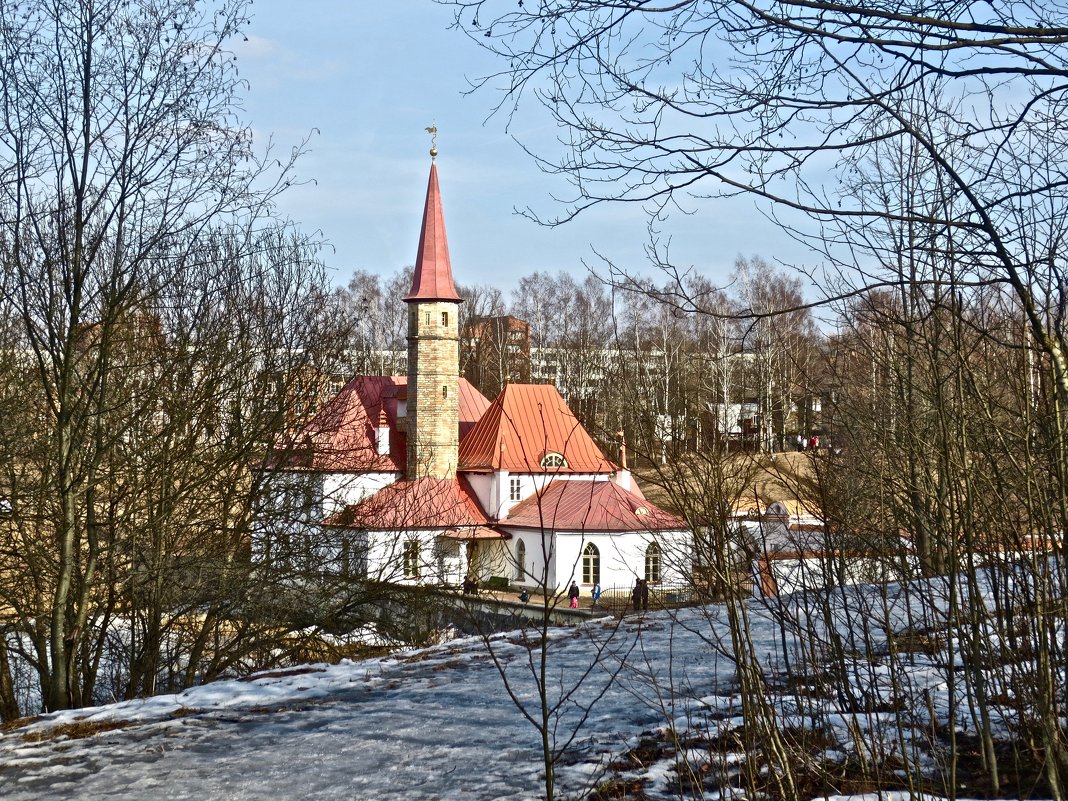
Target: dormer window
x,y
553,460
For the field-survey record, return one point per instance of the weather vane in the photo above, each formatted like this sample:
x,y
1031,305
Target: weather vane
x,y
433,131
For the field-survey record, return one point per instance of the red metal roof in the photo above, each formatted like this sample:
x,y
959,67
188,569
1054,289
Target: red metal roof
x,y
432,279
422,503
341,437
582,505
524,424
473,404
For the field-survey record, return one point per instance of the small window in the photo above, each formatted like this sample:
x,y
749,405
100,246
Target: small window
x,y
591,565
411,559
444,319
444,391
553,460
652,563
515,489
520,560
427,318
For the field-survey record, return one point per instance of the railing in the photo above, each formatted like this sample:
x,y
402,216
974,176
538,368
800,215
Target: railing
x,y
620,600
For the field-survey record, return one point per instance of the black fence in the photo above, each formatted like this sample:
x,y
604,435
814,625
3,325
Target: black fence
x,y
620,600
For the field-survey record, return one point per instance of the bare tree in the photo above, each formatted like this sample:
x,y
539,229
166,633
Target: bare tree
x,y
777,333
743,97
378,323
913,146
127,181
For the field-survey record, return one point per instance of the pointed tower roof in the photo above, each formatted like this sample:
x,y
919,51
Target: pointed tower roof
x,y
433,271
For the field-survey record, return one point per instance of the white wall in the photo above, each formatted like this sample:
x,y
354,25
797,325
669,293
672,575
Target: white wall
x,y
809,573
343,489
622,557
441,560
483,485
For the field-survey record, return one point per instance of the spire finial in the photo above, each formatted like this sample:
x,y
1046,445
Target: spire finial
x,y
433,131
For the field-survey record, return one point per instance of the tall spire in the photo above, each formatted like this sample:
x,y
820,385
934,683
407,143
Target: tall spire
x,y
433,350
432,279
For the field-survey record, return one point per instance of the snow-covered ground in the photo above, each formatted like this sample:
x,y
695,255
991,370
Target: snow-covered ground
x,y
438,723
426,724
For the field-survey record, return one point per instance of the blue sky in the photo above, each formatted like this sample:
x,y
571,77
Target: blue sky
x,y
365,79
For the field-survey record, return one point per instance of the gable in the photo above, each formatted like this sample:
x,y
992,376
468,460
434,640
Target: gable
x,y
424,503
582,505
529,429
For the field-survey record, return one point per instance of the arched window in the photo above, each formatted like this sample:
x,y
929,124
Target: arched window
x,y
652,563
591,565
520,560
553,460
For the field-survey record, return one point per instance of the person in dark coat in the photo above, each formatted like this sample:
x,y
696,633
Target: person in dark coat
x,y
636,595
524,596
645,595
573,595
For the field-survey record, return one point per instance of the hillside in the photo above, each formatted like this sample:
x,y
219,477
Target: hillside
x,y
437,723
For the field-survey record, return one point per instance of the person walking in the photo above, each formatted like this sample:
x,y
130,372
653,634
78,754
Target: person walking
x,y
573,595
645,595
596,594
636,595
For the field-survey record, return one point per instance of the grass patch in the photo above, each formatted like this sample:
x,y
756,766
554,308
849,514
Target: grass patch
x,y
78,730
18,723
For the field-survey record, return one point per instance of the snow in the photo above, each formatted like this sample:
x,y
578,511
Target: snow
x,y
439,723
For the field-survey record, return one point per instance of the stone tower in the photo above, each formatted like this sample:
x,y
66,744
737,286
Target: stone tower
x,y
433,349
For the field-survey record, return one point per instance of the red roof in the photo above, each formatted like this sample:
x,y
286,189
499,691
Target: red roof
x,y
473,404
341,437
422,503
432,279
524,424
582,505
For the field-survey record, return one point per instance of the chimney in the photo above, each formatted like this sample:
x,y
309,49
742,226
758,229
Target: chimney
x,y
382,433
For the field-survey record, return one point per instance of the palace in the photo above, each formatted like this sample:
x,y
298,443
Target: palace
x,y
421,479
